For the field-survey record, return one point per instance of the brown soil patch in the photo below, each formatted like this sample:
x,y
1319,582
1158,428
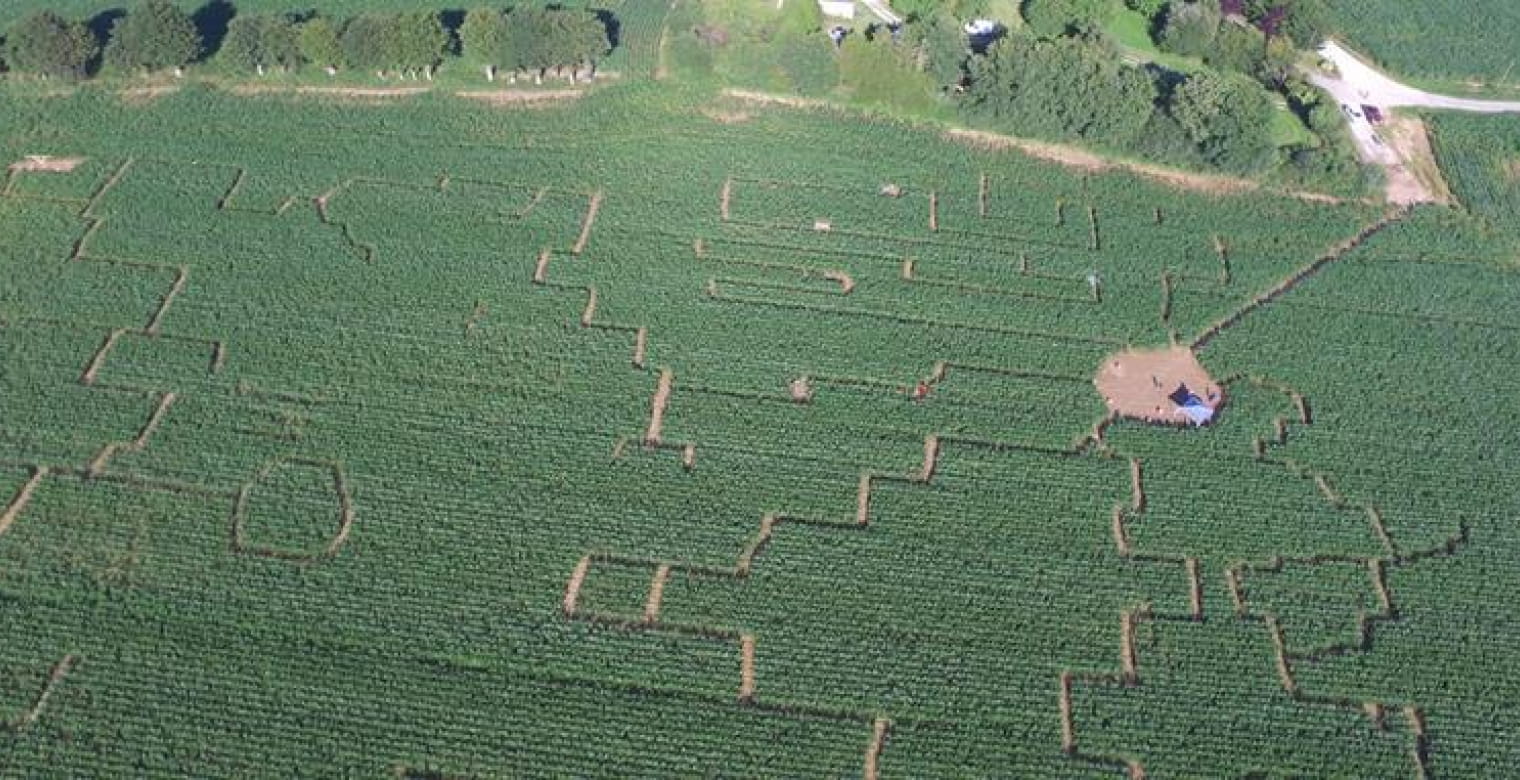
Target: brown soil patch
x,y
747,667
765,98
1320,197
1418,179
846,282
521,97
590,219
137,96
1196,182
657,408
712,35
801,389
42,163
656,593
573,587
874,747
349,93
723,117
1069,156
1512,171
1089,162
640,346
1136,383
363,92
19,501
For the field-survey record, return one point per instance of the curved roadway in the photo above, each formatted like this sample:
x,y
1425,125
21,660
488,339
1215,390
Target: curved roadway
x,y
1360,83
1357,86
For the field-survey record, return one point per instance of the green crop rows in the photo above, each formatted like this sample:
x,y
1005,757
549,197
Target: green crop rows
x,y
609,439
1480,157
1434,40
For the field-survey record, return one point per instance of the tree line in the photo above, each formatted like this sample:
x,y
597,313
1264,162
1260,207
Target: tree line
x,y
1061,76
158,35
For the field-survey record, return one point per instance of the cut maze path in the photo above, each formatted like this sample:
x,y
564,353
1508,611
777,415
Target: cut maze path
x,y
597,458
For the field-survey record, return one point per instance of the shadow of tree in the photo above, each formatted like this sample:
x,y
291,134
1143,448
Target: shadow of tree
x,y
211,22
100,26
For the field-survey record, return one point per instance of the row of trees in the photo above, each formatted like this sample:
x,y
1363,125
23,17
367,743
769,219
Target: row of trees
x,y
155,36
533,40
409,42
1061,76
1078,88
158,35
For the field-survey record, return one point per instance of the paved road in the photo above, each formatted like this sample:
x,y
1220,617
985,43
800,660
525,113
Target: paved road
x,y
1357,85
1361,83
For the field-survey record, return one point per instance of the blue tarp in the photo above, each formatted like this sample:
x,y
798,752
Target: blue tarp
x,y
1197,412
1191,405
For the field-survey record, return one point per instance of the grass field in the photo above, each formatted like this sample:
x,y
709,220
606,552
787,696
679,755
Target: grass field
x,y
1471,46
639,436
1131,31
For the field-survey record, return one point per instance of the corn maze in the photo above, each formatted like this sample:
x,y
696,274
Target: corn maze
x,y
442,440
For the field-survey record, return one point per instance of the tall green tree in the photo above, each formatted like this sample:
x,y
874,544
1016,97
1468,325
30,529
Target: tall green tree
x,y
940,48
483,38
1307,23
1239,48
317,40
418,40
409,42
1061,88
1150,9
153,36
587,39
534,36
1228,118
557,38
1191,28
46,44
1052,18
258,43
367,42
537,39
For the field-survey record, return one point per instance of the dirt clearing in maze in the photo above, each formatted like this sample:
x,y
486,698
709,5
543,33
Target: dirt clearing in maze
x,y
1158,385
